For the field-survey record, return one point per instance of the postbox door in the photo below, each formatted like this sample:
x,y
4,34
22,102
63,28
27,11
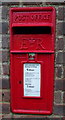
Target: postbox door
x,y
32,82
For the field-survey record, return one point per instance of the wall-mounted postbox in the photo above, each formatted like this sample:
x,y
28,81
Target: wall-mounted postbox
x,y
32,34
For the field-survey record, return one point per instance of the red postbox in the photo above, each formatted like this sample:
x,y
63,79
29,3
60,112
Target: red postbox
x,y
32,35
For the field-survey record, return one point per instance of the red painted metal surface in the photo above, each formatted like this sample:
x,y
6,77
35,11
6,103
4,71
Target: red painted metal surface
x,y
32,36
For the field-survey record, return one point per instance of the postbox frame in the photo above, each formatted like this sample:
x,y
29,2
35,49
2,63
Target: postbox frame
x,y
14,52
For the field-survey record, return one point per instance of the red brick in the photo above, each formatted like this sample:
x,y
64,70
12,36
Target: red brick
x,y
63,58
0,83
5,83
4,28
60,85
57,97
63,118
0,56
61,13
64,97
5,41
60,44
5,56
59,71
64,72
33,118
0,108
1,116
4,14
5,108
7,116
64,28
9,2
60,28
55,118
0,70
5,69
27,2
0,96
0,27
59,58
59,110
6,96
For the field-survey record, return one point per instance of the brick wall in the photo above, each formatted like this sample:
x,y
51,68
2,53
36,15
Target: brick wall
x,y
59,81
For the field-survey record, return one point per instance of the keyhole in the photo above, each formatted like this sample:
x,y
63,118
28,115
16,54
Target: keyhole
x,y
20,82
